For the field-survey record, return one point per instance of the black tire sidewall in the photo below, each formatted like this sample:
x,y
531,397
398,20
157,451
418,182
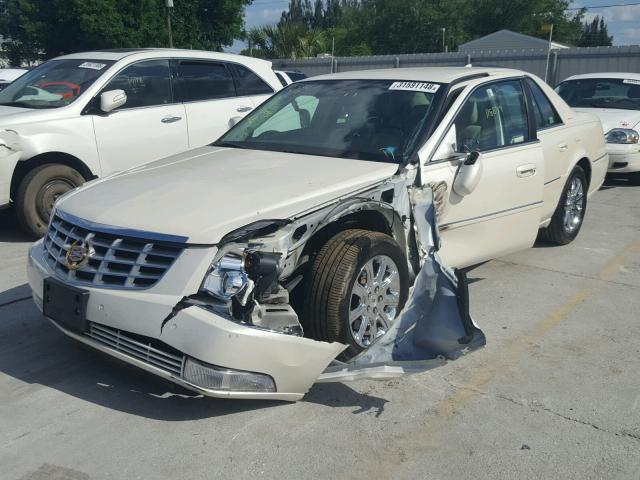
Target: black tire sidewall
x,y
368,248
26,209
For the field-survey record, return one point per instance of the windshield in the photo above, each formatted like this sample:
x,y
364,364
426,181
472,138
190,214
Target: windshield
x,y
601,93
379,120
53,84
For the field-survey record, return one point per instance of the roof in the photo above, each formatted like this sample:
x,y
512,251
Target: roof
x,y
423,74
507,39
619,75
140,53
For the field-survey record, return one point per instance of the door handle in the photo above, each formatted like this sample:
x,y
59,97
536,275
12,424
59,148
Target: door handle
x,y
171,119
563,147
243,109
526,170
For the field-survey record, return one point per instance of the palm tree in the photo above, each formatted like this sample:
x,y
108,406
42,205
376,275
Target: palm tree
x,y
287,40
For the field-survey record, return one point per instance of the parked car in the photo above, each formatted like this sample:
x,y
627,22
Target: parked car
x,y
92,114
314,215
615,99
8,75
287,78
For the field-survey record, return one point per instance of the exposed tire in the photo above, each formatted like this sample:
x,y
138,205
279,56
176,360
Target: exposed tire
x,y
37,193
634,179
569,215
336,291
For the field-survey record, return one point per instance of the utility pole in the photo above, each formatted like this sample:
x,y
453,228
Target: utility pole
x,y
444,46
546,68
169,7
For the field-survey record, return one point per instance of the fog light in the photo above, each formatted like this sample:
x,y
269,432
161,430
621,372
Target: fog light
x,y
217,378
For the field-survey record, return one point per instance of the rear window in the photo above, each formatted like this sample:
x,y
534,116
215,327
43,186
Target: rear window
x,y
205,81
248,83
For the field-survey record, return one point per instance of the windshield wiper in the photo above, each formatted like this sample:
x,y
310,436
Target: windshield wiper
x,y
25,105
228,144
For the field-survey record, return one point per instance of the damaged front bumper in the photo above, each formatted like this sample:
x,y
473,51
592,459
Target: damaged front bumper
x,y
211,353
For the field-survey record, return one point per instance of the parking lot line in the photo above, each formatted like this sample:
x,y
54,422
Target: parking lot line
x,y
485,373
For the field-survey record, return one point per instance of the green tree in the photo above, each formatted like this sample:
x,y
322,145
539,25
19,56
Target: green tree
x,y
285,40
595,34
48,28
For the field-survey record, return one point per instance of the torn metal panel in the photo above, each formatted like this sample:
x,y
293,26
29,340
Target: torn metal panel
x,y
434,325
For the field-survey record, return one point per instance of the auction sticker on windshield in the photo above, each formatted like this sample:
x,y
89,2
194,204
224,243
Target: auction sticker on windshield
x,y
633,82
415,87
92,65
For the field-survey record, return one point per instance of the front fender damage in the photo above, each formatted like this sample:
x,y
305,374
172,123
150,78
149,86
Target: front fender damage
x,y
259,330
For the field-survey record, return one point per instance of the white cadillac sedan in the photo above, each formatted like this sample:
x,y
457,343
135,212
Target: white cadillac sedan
x,y
309,243
615,99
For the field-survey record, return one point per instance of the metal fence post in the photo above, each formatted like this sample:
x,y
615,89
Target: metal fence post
x,y
397,62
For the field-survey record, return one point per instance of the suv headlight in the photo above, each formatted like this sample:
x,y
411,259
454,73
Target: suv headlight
x,y
622,135
226,277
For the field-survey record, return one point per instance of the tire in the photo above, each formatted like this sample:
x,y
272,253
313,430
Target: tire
x,y
331,293
561,230
37,193
634,179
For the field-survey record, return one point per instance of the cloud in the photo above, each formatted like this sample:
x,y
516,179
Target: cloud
x,y
260,16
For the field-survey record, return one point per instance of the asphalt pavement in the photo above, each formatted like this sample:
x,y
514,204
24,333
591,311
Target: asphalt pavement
x,y
554,394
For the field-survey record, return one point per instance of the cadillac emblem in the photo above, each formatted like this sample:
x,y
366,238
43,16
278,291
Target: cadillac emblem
x,y
78,254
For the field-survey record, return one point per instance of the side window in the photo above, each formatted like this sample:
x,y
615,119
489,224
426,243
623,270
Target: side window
x,y
291,117
546,115
493,116
205,81
146,83
248,83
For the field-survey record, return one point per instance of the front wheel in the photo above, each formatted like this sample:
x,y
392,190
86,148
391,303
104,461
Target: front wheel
x,y
37,193
569,215
358,284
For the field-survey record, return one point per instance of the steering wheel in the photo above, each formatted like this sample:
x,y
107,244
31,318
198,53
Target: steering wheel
x,y
73,88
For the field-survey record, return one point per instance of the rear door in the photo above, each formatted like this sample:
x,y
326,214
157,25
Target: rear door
x,y
555,138
209,95
502,213
149,126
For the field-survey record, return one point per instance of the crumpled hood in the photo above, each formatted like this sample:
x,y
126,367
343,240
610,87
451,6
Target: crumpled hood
x,y
205,193
614,118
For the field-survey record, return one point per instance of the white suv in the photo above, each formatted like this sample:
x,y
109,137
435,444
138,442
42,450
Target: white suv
x,y
92,114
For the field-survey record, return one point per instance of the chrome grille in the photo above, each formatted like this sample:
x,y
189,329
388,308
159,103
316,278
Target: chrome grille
x,y
118,261
139,349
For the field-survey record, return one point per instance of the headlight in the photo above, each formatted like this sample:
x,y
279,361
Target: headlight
x,y
226,277
622,135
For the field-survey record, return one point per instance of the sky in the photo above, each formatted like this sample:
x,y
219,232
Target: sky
x,y
623,22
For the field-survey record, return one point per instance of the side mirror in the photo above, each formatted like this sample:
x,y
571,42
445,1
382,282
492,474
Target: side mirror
x,y
234,120
447,148
112,99
469,175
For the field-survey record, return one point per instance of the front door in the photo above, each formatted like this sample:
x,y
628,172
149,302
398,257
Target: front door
x,y
502,213
149,126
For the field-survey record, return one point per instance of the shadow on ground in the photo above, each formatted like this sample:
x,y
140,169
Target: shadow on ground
x,y
34,351
9,229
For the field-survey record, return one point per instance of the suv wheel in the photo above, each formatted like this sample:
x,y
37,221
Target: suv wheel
x,y
359,283
37,193
569,215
